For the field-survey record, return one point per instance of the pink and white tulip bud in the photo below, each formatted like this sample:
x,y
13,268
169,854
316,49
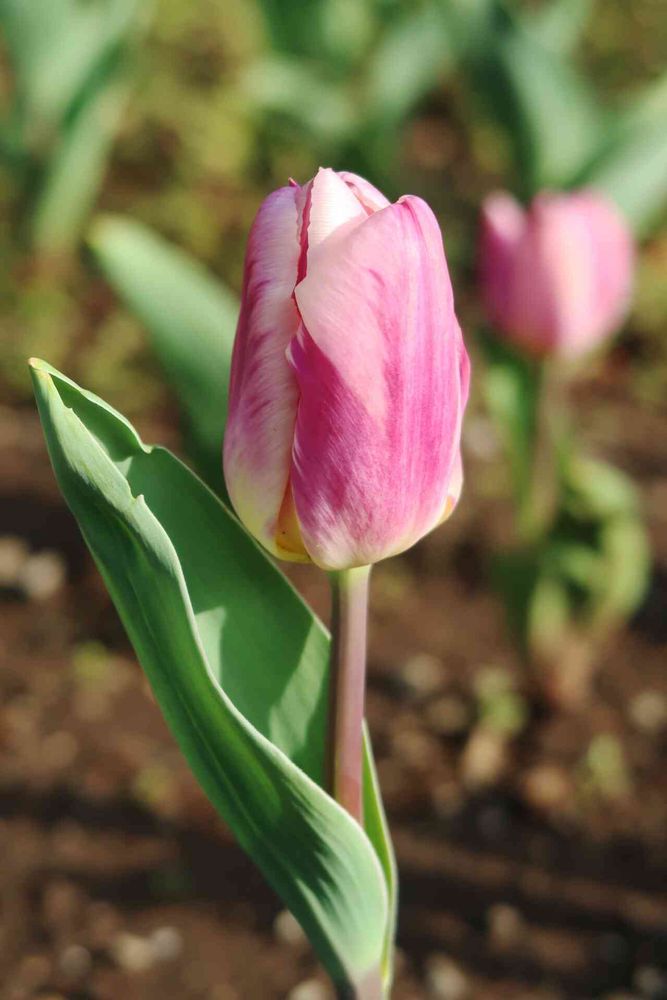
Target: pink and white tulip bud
x,y
556,279
349,376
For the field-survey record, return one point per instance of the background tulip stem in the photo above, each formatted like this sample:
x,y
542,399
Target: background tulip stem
x,y
349,612
537,506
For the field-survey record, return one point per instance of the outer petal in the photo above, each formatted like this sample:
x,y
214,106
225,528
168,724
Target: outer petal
x,y
600,227
455,484
558,279
263,391
369,196
378,366
503,226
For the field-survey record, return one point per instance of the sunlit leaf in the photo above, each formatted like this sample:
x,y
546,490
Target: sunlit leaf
x,y
238,665
632,168
190,318
559,24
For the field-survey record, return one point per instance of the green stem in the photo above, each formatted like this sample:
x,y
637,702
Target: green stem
x,y
349,602
539,499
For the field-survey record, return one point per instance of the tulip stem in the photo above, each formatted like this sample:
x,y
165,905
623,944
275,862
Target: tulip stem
x,y
538,504
349,612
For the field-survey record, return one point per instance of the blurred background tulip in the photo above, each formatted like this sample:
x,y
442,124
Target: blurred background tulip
x,y
556,278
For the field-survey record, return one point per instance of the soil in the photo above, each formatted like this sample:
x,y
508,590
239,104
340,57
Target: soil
x,y
532,858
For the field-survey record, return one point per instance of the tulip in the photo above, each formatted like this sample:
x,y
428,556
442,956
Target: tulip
x,y
349,376
556,279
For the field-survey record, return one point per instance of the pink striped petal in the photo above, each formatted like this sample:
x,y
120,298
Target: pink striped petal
x,y
557,279
369,196
503,225
263,391
377,362
600,227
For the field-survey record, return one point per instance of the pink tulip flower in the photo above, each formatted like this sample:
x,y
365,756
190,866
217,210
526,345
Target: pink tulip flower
x,y
556,279
349,376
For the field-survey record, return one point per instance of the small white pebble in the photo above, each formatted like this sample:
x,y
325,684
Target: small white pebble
x,y
133,953
13,555
167,943
649,980
445,979
484,758
309,989
423,674
42,575
505,925
75,961
449,715
288,930
648,711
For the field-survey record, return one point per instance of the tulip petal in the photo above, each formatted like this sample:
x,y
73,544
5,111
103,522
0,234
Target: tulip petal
x,y
377,362
503,225
611,266
332,208
556,279
369,196
263,391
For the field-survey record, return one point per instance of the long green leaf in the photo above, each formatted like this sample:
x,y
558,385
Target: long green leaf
x,y
238,664
559,24
75,173
632,169
551,115
190,318
411,56
56,48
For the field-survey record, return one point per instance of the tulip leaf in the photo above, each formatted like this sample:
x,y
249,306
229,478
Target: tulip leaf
x,y
411,56
56,49
550,114
632,169
559,24
238,665
512,386
190,318
75,173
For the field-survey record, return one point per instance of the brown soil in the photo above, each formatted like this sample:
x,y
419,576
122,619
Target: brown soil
x,y
526,870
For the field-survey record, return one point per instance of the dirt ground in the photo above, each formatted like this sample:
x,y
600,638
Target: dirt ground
x,y
532,853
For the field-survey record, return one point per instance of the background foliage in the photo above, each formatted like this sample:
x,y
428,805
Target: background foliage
x,y
156,135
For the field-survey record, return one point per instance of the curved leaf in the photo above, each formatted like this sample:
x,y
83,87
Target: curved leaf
x,y
74,174
632,169
238,665
551,115
56,48
191,319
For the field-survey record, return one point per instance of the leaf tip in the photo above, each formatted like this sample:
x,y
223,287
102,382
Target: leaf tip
x,y
39,370
99,229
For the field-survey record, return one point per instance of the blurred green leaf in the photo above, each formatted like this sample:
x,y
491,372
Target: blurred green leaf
x,y
627,567
549,616
413,53
514,574
548,110
512,386
559,24
596,490
303,93
74,174
238,665
191,320
632,169
57,48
